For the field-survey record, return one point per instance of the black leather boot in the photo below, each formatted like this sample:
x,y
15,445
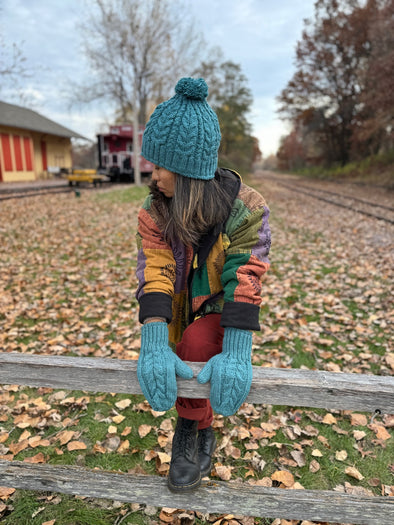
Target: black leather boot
x,y
206,446
184,472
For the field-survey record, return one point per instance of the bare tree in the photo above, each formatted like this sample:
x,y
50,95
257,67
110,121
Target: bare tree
x,y
12,66
135,49
11,61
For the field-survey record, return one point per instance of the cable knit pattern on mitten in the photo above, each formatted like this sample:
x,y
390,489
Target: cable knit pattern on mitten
x,y
230,372
158,366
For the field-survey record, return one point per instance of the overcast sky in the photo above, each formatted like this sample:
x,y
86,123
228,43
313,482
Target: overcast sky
x,y
260,35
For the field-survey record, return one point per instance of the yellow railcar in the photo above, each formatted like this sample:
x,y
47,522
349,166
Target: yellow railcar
x,y
85,175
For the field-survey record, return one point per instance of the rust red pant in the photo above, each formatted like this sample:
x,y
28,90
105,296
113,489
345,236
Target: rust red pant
x,y
201,340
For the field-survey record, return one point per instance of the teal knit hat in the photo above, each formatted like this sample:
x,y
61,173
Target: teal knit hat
x,y
183,133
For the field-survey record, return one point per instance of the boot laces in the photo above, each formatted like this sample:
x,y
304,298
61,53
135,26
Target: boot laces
x,y
184,442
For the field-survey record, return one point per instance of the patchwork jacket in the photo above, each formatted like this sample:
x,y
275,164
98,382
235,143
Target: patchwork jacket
x,y
222,276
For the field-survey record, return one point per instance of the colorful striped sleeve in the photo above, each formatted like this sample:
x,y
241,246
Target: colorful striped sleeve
x,y
246,260
156,270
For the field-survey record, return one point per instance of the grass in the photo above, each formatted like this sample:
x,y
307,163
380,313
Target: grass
x,y
65,509
133,194
375,168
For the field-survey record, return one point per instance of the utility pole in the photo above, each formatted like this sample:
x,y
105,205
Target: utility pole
x,y
136,137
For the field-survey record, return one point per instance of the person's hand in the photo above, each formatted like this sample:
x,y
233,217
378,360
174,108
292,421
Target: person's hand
x,y
230,372
158,366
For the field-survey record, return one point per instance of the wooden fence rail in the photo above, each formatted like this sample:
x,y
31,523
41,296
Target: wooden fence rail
x,y
274,386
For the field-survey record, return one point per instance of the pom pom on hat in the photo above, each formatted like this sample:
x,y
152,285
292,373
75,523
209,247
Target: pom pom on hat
x,y
192,88
183,133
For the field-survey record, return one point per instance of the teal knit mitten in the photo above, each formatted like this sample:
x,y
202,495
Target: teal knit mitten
x,y
158,366
230,372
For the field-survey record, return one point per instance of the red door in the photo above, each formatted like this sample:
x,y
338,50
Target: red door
x,y
18,153
6,146
28,156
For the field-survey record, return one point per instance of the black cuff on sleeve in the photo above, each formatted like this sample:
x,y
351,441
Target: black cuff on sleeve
x,y
240,315
155,304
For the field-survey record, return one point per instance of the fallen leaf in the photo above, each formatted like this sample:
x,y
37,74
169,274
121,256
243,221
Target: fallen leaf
x,y
125,445
269,427
6,492
380,431
36,441
314,466
126,431
299,457
374,482
166,425
283,476
389,358
151,454
263,482
18,447
359,434
329,419
242,433
38,458
164,458
99,449
65,436
143,430
124,403
162,440
166,516
354,473
118,419
223,472
341,455
76,445
358,420
316,453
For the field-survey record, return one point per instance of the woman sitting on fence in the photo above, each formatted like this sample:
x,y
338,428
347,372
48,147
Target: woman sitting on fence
x,y
203,240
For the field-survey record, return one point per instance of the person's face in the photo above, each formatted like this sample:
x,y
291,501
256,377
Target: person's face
x,y
165,180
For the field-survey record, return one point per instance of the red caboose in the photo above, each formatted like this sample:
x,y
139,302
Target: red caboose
x,y
115,154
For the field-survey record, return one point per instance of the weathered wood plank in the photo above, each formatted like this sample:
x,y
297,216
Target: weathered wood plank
x,y
291,387
215,497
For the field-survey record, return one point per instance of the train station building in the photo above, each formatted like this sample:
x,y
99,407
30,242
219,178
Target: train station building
x,y
32,147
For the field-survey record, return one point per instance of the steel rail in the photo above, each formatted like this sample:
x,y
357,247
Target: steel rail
x,y
330,201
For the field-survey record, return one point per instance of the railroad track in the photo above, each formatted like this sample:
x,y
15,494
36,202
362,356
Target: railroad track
x,y
22,193
370,209
31,192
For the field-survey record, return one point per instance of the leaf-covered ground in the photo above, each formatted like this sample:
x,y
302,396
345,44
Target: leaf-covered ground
x,y
67,281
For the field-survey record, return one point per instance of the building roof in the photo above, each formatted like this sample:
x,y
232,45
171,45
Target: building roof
x,y
24,118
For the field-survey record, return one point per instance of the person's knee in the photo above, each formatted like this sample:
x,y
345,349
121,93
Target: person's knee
x,y
200,342
189,349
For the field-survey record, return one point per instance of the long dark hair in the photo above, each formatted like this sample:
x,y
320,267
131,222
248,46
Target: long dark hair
x,y
196,207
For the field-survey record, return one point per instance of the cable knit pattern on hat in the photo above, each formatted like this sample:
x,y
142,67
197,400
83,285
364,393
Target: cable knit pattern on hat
x,y
183,133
